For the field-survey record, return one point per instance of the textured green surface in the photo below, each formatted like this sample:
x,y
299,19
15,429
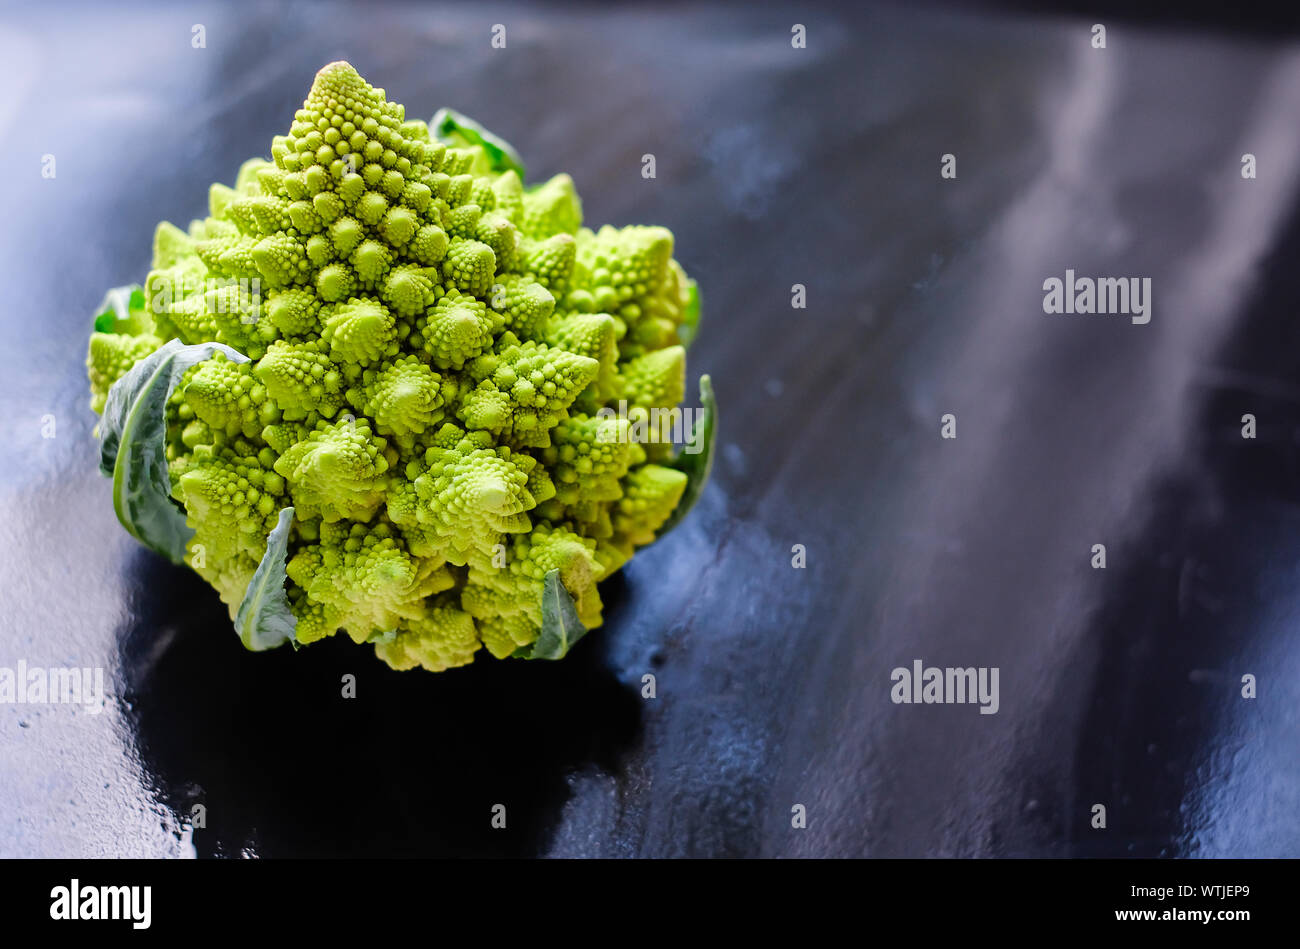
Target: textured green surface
x,y
417,354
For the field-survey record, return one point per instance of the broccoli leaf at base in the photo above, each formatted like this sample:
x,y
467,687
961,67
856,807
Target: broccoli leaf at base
x,y
561,627
264,619
132,437
697,466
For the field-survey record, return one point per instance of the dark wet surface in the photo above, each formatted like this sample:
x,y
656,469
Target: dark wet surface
x,y
775,166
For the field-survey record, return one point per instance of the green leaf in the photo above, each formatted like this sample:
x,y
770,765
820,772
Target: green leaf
x,y
132,445
121,311
690,315
699,465
460,131
560,625
264,619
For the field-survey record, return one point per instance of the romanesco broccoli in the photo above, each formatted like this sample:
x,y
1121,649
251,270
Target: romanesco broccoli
x,y
373,379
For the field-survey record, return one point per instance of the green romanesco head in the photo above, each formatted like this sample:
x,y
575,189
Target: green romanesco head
x,y
429,342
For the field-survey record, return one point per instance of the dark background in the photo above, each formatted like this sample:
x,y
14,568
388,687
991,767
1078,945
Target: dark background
x,y
776,166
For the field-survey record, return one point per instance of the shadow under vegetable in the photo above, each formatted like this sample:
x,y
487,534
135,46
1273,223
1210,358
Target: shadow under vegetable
x,y
284,765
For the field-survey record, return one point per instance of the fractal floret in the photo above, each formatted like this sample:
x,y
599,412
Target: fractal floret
x,y
386,388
